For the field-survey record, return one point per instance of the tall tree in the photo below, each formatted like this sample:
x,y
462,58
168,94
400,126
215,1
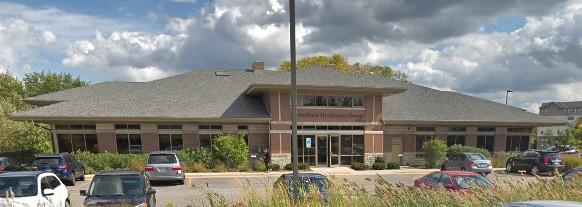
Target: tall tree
x,y
38,83
342,65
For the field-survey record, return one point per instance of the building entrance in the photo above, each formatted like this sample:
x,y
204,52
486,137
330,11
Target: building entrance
x,y
330,150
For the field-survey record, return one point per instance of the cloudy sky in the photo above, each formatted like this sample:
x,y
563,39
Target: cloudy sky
x,y
476,47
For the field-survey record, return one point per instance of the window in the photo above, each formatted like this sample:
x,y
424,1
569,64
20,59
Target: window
x,y
77,142
75,127
458,129
425,129
210,127
206,140
486,129
570,118
420,139
358,128
53,182
127,126
243,127
571,111
128,143
332,101
519,143
445,180
455,139
486,142
170,142
169,126
580,109
519,130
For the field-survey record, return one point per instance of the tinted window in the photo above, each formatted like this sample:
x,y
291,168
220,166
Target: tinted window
x,y
476,157
116,186
162,159
306,183
46,161
472,182
445,180
434,178
20,186
53,182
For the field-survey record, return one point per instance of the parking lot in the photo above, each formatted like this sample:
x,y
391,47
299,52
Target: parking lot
x,y
194,191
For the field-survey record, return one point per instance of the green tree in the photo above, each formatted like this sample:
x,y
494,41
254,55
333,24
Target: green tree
x,y
342,65
434,151
231,149
38,83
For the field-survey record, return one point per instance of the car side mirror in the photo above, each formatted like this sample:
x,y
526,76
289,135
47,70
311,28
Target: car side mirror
x,y
152,191
83,192
48,192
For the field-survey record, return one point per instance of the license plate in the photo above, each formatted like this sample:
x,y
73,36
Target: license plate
x,y
163,170
484,165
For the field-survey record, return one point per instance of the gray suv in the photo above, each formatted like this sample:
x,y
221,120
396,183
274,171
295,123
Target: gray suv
x,y
474,162
164,166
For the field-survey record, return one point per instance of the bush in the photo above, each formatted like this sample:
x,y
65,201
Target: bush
x,y
392,165
378,165
95,163
303,166
259,166
499,159
380,159
243,168
460,148
231,149
274,167
572,161
196,154
195,167
136,165
289,166
434,152
219,167
359,166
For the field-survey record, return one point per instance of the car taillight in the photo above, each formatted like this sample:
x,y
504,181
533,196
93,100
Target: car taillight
x,y
546,160
34,167
150,168
64,167
471,163
1,169
176,167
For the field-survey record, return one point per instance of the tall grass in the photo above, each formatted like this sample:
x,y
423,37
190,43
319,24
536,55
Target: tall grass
x,y
346,193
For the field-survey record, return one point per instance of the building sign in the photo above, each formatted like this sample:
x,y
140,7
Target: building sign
x,y
307,142
337,115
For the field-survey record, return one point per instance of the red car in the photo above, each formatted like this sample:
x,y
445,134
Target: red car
x,y
454,180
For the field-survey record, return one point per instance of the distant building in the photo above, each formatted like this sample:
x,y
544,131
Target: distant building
x,y
568,112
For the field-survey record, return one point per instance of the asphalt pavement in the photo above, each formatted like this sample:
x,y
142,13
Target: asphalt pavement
x,y
194,191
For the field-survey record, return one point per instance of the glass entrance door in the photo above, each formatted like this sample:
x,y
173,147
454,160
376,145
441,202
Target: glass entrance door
x,y
334,145
322,150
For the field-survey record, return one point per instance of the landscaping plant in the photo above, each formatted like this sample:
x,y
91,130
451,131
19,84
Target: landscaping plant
x,y
230,149
434,152
457,148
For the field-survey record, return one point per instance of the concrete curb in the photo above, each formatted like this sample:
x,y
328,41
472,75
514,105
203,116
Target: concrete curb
x,y
326,171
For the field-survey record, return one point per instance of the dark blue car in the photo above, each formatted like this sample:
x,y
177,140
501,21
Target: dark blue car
x,y
62,164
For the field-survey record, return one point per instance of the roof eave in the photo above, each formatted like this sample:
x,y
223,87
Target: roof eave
x,y
50,119
386,91
473,123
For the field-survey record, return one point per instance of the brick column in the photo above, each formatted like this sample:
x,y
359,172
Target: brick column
x,y
106,138
500,139
149,138
441,133
471,137
190,135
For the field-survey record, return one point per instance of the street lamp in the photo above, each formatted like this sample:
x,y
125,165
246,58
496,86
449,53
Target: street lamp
x,y
507,95
293,98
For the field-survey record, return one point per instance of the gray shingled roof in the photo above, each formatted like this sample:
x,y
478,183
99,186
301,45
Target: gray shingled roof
x,y
563,105
202,94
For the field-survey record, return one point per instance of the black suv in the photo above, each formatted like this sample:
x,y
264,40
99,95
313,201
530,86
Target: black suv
x,y
9,165
61,164
120,188
535,161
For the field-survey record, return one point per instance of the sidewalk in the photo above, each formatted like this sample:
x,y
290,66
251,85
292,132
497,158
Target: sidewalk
x,y
340,171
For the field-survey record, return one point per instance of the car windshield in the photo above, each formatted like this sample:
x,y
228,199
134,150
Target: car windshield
x,y
162,159
20,186
116,186
572,172
476,157
46,160
472,181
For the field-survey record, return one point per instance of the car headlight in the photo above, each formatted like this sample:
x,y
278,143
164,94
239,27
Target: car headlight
x,y
142,205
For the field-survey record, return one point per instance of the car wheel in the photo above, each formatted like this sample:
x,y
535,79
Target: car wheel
x,y
509,167
535,170
67,203
73,180
181,182
443,168
82,178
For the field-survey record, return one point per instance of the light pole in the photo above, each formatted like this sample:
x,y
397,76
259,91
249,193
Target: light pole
x,y
507,95
293,98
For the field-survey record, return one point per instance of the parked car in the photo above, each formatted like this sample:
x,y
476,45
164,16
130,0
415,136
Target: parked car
x,y
563,148
548,203
474,162
306,182
120,188
10,165
164,166
535,162
574,173
33,189
454,180
62,164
